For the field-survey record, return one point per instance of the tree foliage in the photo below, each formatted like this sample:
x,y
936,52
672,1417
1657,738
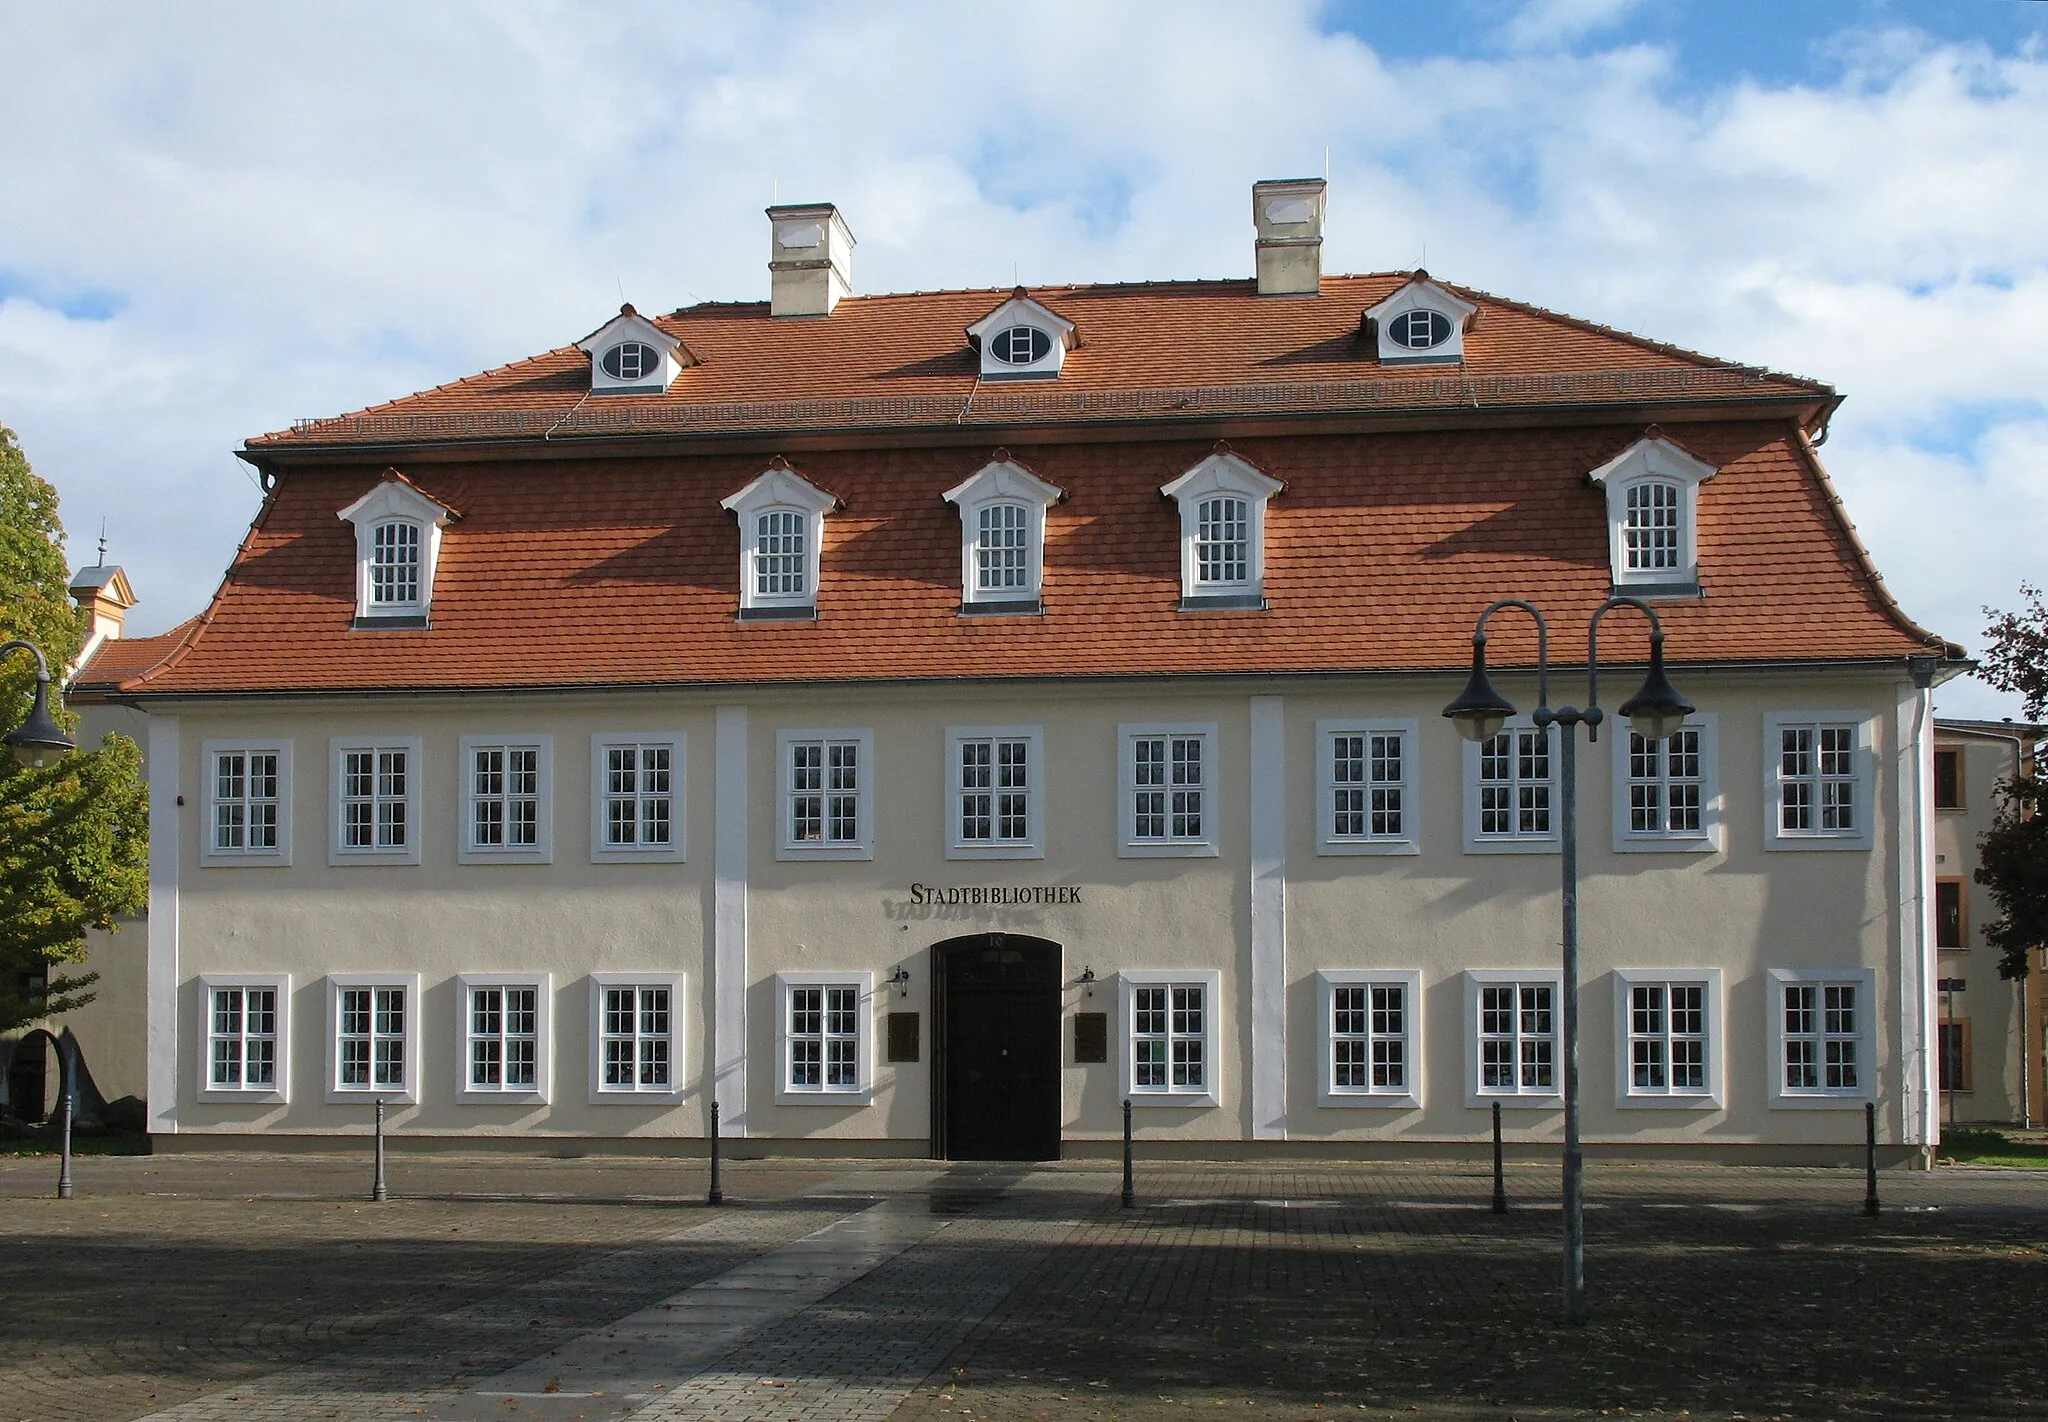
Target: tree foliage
x,y
2012,856
73,835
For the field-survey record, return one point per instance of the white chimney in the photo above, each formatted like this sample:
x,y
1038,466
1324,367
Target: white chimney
x,y
810,261
1288,213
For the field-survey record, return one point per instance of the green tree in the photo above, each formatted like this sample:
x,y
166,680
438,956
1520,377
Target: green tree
x,y
74,845
2012,856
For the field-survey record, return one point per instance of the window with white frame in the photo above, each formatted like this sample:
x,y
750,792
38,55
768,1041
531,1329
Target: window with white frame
x,y
1652,491
376,801
1510,790
1366,787
782,519
1421,323
1022,339
248,802
507,799
1223,532
1667,1030
827,799
1002,530
1821,1035
1168,791
636,808
247,1034
823,1037
1371,1038
1817,774
398,545
1667,793
373,1036
636,1034
993,774
504,1035
1514,1018
1170,1036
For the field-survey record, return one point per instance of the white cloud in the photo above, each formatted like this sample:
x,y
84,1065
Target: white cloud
x,y
300,210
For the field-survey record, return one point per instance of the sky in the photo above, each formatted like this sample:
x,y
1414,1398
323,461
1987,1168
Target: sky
x,y
217,219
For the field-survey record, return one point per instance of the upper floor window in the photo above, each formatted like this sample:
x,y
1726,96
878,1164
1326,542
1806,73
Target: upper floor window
x,y
1510,789
1422,323
1002,537
376,801
1667,794
398,546
1366,787
1652,516
630,355
1948,778
1168,791
782,519
1022,339
508,799
1020,345
1817,780
248,802
1222,532
1419,330
827,805
630,361
636,810
994,774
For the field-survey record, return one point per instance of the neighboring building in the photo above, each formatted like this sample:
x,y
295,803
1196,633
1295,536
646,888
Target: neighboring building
x,y
1985,1055
928,721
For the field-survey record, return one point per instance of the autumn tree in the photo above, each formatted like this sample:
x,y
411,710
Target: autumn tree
x,y
2012,856
74,845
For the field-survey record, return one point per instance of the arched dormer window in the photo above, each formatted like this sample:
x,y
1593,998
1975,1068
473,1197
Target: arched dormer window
x,y
1002,537
630,355
782,524
1222,533
1422,323
1653,517
398,545
1022,340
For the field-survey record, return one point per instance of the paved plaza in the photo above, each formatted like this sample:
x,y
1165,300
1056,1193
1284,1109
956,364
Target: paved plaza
x,y
200,1288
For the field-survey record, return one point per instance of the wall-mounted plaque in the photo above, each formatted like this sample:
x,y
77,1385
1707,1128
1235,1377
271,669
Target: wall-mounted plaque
x,y
1091,1036
903,1036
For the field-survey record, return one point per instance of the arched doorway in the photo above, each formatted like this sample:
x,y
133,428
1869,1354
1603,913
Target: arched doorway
x,y
996,1048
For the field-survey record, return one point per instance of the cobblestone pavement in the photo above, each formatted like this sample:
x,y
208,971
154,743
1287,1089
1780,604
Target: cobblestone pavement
x,y
215,1288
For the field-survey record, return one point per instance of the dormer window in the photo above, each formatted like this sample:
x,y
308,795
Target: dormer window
x,y
1421,324
630,355
1222,533
1022,340
1652,517
398,545
1002,537
782,524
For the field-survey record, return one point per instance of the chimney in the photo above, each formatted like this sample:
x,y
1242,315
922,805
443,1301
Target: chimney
x,y
810,259
103,597
1288,213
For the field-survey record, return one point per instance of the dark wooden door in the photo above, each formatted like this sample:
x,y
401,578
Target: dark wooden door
x,y
996,1082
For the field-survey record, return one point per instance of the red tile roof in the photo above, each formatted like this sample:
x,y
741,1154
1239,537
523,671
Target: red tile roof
x,y
120,658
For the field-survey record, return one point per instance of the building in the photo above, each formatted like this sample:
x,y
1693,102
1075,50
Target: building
x,y
928,721
1990,1069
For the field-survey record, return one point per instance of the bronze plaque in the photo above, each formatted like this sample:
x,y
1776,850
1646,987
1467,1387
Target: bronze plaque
x,y
903,1036
1091,1036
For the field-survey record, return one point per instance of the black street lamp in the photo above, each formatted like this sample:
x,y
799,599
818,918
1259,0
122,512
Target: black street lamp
x,y
38,740
1654,712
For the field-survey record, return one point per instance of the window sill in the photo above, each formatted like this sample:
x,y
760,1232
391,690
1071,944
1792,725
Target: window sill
x,y
1015,607
824,851
1336,848
784,1096
995,851
1168,849
523,1096
1668,1103
1204,1100
1667,844
1531,1102
267,860
1222,602
230,1096
1511,846
1385,1100
1819,842
505,856
372,858
1672,591
807,613
1837,1101
389,622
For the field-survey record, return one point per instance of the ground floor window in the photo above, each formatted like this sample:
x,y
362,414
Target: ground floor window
x,y
1668,1029
1955,1054
504,1036
247,1028
824,1034
374,1036
636,1026
1371,1031
1514,1024
1170,1036
1821,1024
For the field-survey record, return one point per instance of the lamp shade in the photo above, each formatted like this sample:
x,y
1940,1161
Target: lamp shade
x,y
1657,709
1480,711
39,740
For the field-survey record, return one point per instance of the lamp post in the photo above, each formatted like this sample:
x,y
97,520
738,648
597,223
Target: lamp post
x,y
1654,712
38,740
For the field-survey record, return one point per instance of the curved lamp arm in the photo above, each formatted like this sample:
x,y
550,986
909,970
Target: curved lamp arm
x,y
39,739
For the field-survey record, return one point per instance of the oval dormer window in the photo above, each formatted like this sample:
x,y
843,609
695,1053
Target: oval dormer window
x,y
630,360
1020,345
1420,330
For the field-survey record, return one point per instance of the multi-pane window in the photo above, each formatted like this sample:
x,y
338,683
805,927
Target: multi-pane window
x,y
1949,930
1822,1036
636,1038
395,564
1166,788
1650,528
371,1026
247,799
1369,1027
1517,1038
779,561
1512,795
1817,779
1366,771
1665,784
822,1034
1948,779
1001,549
503,1033
376,798
504,797
242,1038
1223,541
823,805
993,781
639,796
1953,1062
1169,1037
1667,1038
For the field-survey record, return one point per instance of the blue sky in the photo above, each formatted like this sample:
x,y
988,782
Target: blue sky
x,y
223,218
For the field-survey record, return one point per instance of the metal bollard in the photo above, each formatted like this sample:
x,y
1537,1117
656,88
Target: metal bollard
x,y
1500,1179
716,1194
377,1190
1870,1157
64,1148
1130,1193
